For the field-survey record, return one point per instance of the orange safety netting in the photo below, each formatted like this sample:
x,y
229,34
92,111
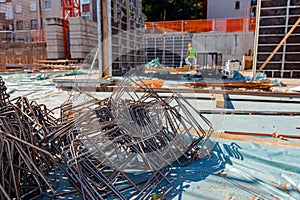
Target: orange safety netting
x,y
198,25
205,25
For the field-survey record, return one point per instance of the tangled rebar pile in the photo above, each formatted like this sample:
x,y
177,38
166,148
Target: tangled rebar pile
x,y
122,146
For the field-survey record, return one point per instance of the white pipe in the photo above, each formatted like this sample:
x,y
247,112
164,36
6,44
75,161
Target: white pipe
x,y
254,65
109,39
99,38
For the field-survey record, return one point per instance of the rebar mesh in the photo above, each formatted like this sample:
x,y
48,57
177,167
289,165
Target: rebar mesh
x,y
121,147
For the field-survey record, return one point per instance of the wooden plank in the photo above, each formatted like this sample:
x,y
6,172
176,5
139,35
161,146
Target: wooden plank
x,y
250,112
220,100
170,69
232,92
275,134
231,84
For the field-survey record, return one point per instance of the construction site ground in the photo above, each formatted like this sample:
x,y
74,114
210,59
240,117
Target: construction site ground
x,y
254,155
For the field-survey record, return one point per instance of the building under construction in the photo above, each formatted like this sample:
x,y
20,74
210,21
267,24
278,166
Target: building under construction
x,y
49,25
41,25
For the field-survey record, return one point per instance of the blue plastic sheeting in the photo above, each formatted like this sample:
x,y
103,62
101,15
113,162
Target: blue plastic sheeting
x,y
240,170
155,63
260,76
258,123
234,170
25,77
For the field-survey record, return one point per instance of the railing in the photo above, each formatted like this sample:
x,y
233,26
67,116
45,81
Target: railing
x,y
23,36
203,25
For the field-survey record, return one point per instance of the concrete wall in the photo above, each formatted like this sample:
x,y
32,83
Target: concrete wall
x,y
83,36
54,11
55,38
226,8
230,45
20,54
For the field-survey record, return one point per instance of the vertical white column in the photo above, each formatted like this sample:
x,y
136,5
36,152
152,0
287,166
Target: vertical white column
x,y
99,51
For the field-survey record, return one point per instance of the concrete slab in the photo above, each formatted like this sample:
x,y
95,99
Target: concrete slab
x,y
260,168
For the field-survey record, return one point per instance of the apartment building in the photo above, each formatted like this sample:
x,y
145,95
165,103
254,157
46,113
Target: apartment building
x,y
25,20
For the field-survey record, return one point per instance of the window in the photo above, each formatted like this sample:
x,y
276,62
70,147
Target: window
x,y
33,24
86,8
253,2
85,1
18,8
32,6
237,5
47,4
20,25
87,17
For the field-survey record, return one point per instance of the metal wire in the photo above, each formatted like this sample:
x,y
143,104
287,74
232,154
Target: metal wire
x,y
122,146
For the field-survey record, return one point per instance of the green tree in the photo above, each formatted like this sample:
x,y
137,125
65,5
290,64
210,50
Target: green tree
x,y
168,10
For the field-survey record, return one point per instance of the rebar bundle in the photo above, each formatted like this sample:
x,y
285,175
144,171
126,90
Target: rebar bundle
x,y
24,166
121,147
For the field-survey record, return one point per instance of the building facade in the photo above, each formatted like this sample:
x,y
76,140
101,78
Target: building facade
x,y
27,18
230,8
122,29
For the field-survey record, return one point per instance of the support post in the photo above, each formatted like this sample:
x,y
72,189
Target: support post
x,y
99,50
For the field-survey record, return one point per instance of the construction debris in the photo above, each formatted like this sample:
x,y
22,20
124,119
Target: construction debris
x,y
253,85
122,147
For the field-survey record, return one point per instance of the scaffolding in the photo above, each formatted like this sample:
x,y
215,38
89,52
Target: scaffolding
x,y
168,48
127,35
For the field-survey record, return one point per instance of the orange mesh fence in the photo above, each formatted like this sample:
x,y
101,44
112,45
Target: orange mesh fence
x,y
234,25
252,24
149,25
198,26
171,26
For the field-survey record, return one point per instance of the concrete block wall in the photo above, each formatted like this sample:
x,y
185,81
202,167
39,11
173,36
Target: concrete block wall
x,y
230,45
55,38
83,37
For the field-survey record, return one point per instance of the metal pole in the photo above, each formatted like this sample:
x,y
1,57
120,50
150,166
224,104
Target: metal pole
x,y
109,39
256,37
99,38
285,32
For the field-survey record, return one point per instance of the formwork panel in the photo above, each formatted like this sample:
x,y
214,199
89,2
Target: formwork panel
x,y
295,11
273,21
296,75
272,3
271,66
295,2
263,57
276,18
293,48
268,49
291,66
270,30
269,39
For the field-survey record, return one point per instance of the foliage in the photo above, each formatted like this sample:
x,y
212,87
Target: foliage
x,y
169,10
